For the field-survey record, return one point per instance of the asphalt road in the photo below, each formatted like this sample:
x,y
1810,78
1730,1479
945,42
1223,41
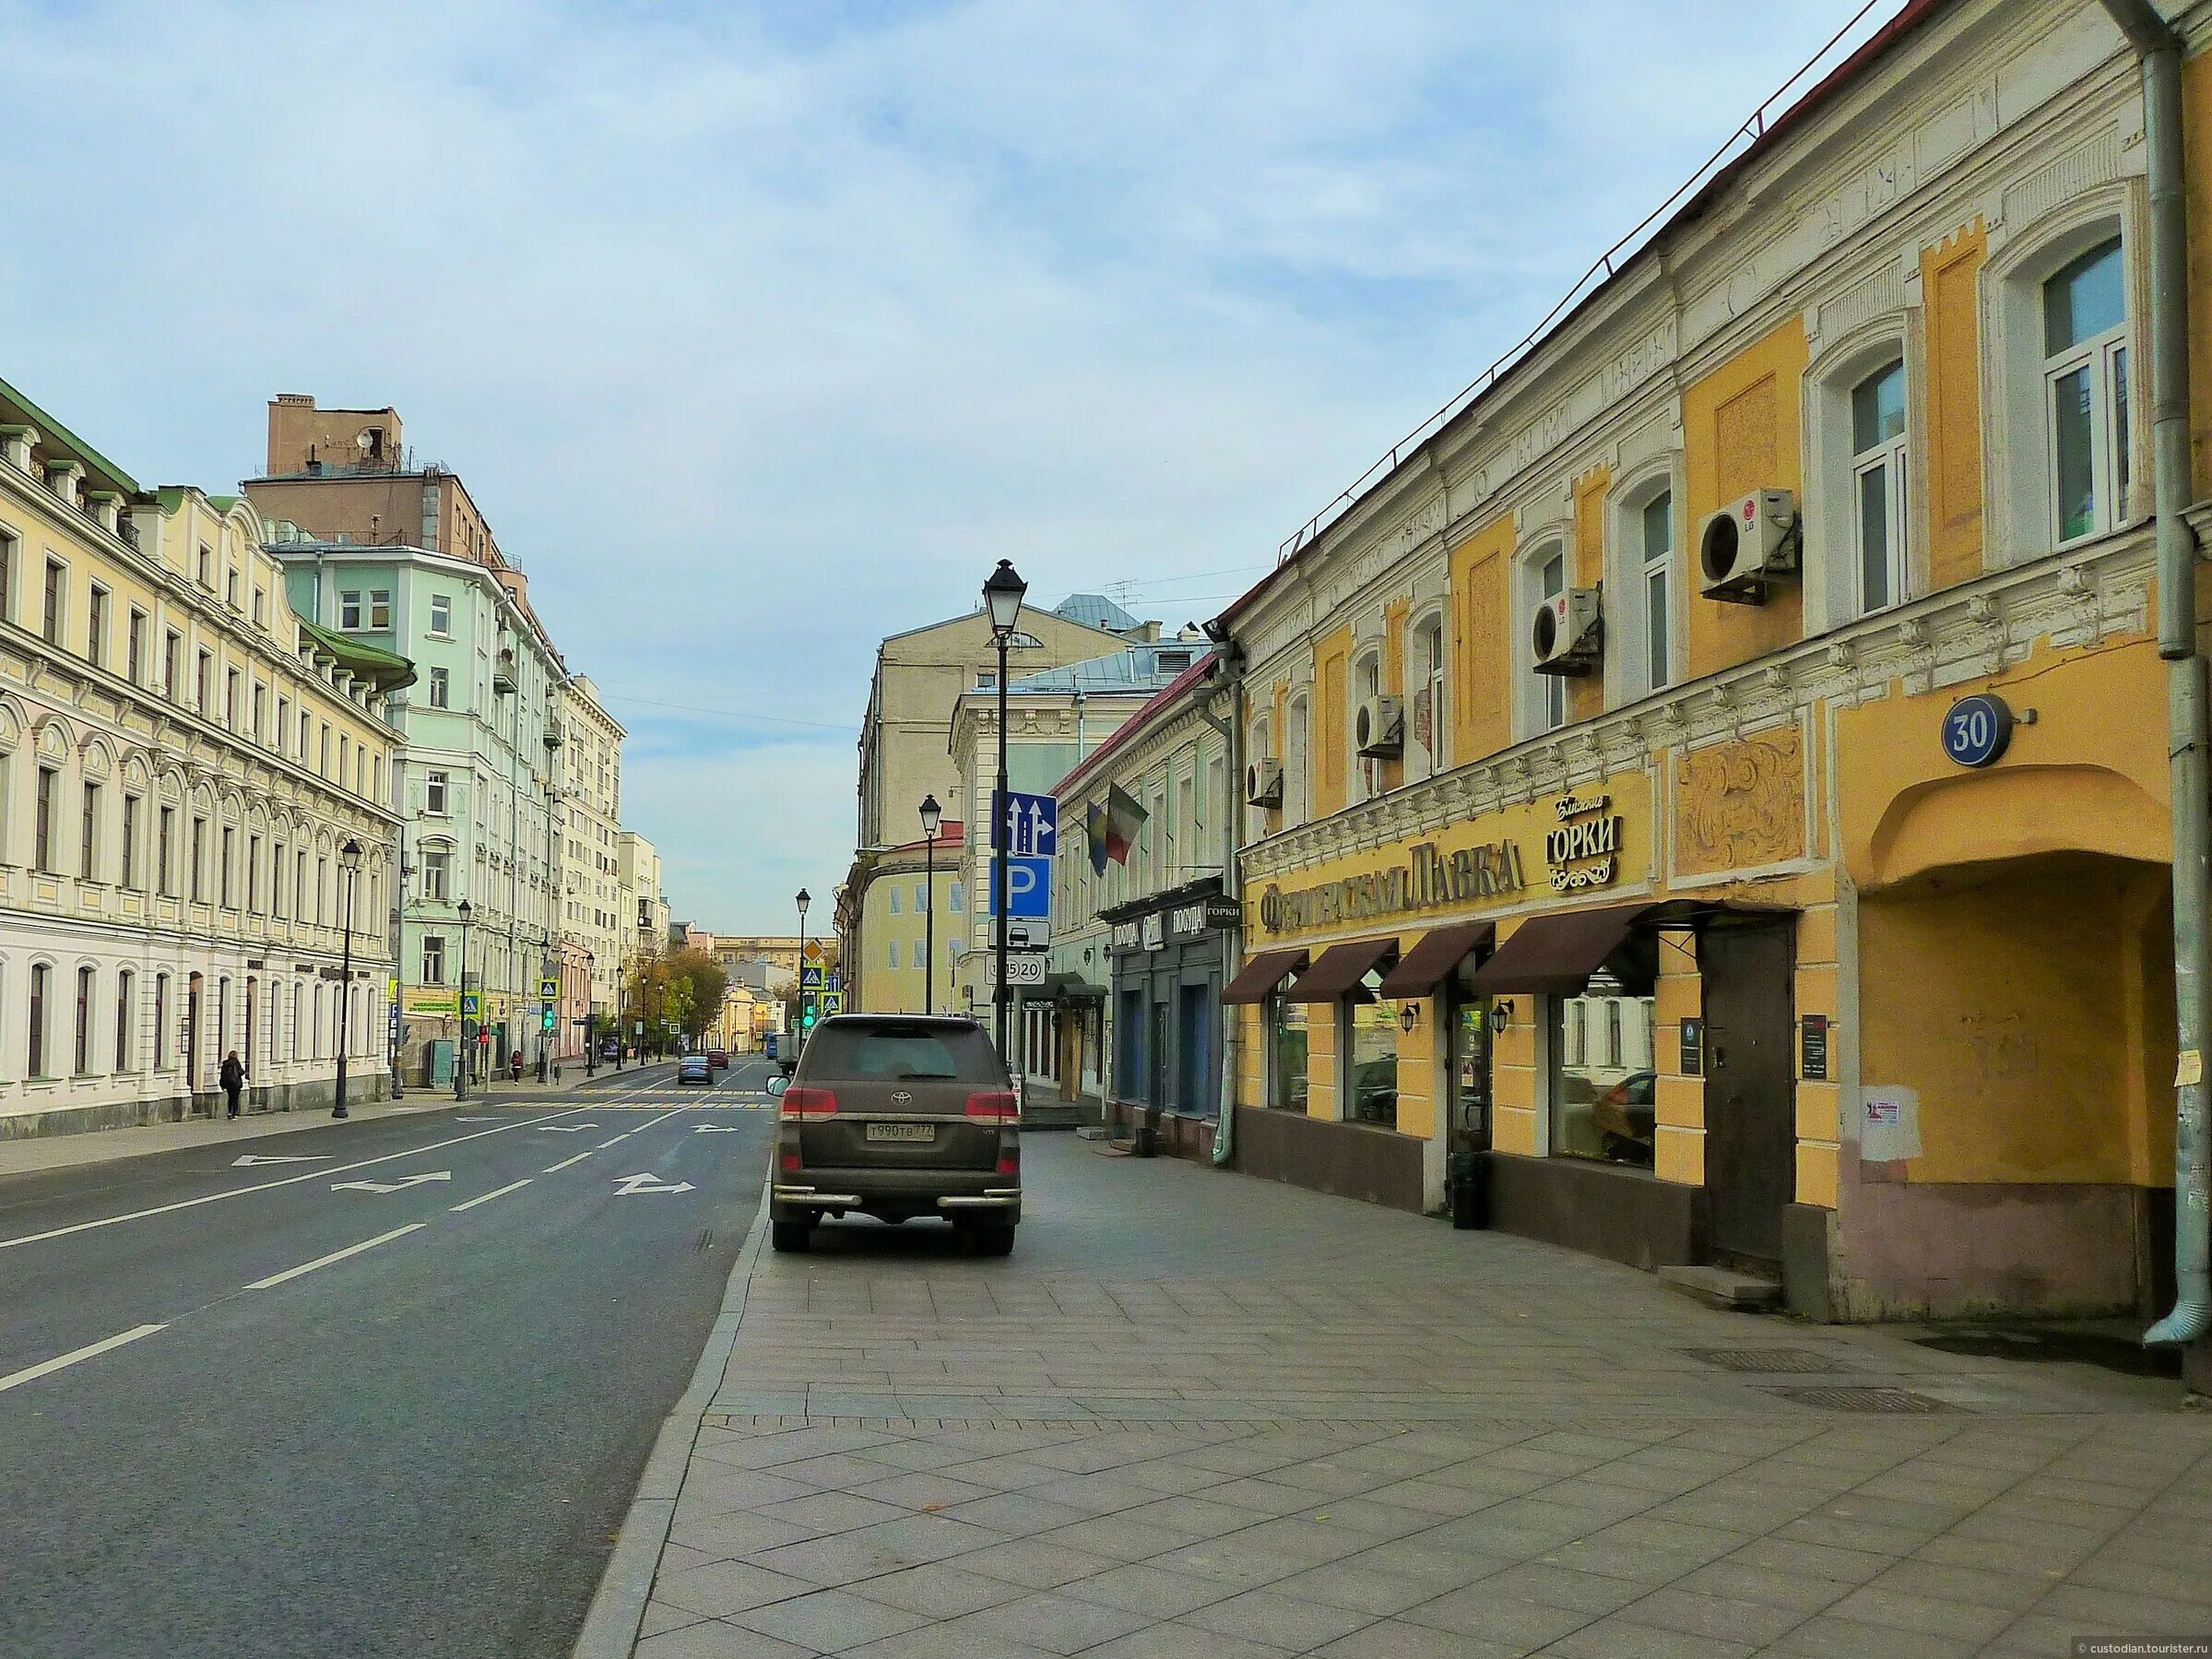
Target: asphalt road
x,y
422,1447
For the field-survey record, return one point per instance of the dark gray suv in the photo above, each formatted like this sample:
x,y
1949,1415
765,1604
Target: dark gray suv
x,y
895,1116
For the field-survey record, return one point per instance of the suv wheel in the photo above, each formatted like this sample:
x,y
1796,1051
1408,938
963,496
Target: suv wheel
x,y
790,1235
994,1240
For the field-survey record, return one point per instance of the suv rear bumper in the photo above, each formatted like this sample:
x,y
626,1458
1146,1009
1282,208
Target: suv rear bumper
x,y
903,1192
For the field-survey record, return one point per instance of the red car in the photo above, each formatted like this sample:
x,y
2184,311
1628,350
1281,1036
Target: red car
x,y
718,1059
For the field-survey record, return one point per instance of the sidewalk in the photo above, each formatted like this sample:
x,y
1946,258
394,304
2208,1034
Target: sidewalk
x,y
99,1146
1199,1414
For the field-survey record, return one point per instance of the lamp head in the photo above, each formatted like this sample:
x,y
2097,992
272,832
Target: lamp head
x,y
932,815
1002,594
466,909
804,900
350,855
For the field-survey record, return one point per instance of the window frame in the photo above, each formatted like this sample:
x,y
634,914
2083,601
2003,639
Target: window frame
x,y
1893,457
1545,707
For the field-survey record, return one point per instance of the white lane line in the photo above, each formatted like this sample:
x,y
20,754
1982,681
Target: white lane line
x,y
565,1163
485,1198
649,1122
603,1145
47,1367
338,1255
289,1180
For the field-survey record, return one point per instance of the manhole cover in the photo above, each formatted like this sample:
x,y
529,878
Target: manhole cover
x,y
1767,1359
1887,1401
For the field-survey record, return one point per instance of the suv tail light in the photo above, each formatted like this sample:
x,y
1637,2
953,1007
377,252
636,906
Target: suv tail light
x,y
802,1103
992,1106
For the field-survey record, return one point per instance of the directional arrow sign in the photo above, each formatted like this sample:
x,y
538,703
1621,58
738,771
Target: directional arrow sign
x,y
251,1159
566,1129
407,1180
628,1186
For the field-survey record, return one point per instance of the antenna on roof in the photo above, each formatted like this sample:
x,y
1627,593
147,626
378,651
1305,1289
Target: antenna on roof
x,y
1120,592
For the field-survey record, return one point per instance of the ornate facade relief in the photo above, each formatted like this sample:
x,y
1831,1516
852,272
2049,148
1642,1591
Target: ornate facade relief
x,y
1740,805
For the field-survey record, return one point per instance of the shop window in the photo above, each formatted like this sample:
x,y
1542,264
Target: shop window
x,y
1368,1039
1128,1043
1470,1057
1603,1077
1287,1075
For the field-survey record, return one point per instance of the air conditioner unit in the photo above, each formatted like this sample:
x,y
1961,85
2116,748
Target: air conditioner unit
x,y
1264,782
1380,727
1747,544
1566,634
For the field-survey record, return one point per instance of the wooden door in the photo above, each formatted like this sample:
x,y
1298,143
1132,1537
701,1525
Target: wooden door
x,y
1750,1118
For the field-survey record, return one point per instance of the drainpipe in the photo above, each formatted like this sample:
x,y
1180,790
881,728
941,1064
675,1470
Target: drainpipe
x,y
1231,659
2159,48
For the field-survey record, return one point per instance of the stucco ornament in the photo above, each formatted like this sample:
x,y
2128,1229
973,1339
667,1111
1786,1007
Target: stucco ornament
x,y
1740,805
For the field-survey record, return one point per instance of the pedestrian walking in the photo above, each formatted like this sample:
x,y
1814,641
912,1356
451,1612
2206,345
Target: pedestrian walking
x,y
514,1065
232,1076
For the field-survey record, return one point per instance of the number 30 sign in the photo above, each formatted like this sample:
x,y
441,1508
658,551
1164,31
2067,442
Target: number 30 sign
x,y
1976,731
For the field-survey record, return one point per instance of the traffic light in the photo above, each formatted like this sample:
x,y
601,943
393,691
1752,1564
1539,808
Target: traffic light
x,y
807,1014
549,1019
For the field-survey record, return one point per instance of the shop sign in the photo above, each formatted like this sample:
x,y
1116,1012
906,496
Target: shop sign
x,y
1203,916
1155,932
1427,879
1127,936
1813,1048
1693,1047
1585,850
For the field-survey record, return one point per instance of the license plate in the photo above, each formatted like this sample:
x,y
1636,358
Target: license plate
x,y
902,1131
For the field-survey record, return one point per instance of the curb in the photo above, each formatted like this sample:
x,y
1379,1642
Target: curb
x,y
610,1628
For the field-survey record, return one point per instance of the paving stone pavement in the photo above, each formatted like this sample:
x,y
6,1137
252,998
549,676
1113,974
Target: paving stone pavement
x,y
1200,1414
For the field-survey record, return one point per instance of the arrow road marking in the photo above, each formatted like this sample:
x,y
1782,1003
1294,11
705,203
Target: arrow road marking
x,y
564,1129
251,1159
629,1186
405,1181
717,1129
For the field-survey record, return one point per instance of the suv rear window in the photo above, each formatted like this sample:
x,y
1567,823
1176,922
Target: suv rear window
x,y
893,1050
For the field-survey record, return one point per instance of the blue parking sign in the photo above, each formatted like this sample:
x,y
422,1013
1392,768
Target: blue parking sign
x,y
1028,890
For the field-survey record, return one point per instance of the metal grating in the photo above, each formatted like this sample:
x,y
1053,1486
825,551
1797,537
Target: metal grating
x,y
1880,1401
1800,1361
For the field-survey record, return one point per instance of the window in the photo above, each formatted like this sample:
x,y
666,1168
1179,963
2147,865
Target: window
x,y
1603,1080
276,732
433,793
1287,1075
88,865
42,845
1657,564
42,978
955,896
322,892
1429,696
169,643
50,624
2086,392
204,683
7,573
199,861
441,616
437,871
323,749
160,1021
380,609
165,843
230,844
96,627
260,606
131,804
277,868
1368,1032
893,892
439,696
207,567
921,898
300,887
230,587
253,875
135,647
125,983
349,610
1877,421
304,725
1551,689
82,1058
433,959
891,955
231,698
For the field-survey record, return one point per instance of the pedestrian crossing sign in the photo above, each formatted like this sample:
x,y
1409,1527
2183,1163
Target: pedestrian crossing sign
x,y
548,989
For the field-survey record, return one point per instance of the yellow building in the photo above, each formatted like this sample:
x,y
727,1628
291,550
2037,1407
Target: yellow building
x,y
907,923
1720,772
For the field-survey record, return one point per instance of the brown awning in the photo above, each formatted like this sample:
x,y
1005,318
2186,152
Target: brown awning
x,y
1431,962
1556,954
1255,981
1338,969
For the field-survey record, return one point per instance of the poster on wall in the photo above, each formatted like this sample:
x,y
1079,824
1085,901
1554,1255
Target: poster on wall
x,y
1888,1124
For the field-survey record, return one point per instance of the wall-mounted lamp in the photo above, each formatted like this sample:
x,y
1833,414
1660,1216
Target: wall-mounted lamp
x,y
1501,1015
1409,1016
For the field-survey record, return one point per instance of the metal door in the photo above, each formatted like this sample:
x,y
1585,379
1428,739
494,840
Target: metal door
x,y
1750,1129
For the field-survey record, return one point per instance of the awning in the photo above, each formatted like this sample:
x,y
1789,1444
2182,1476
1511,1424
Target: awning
x,y
1338,969
1255,981
1069,987
1556,955
1431,962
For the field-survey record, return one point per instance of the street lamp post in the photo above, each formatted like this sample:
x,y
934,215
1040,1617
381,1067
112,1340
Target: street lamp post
x,y
1002,594
803,900
932,815
591,1037
460,1060
349,860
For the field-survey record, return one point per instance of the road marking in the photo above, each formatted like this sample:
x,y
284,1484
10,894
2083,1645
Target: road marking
x,y
717,1129
477,1120
565,1163
289,1180
404,1182
251,1159
630,1186
336,1255
603,1145
564,1129
485,1198
47,1367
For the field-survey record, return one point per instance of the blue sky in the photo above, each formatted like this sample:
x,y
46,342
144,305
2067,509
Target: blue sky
x,y
761,331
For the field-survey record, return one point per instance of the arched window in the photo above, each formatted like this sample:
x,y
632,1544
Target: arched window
x,y
1296,763
2086,393
1366,685
1543,576
1878,498
126,1009
41,984
1424,717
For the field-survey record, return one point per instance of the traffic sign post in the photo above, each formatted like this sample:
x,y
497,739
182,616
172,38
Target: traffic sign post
x,y
1026,967
1032,825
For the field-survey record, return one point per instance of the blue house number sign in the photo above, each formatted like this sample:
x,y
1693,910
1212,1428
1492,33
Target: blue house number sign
x,y
1977,730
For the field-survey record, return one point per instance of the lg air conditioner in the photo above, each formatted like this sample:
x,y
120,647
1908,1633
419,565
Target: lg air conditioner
x,y
1264,783
1566,636
1745,545
1379,729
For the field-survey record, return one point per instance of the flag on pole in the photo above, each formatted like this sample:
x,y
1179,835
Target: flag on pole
x,y
1095,833
1124,818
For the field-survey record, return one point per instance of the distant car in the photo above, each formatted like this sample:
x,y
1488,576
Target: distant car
x,y
896,1116
1625,1117
693,1068
718,1059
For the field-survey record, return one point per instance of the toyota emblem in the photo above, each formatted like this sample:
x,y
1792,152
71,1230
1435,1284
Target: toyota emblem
x,y
901,1097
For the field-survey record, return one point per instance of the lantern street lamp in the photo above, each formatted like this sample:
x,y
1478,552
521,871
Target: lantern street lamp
x,y
932,815
460,1060
349,861
803,900
1002,594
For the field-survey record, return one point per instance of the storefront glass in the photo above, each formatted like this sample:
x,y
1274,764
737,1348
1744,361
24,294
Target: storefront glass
x,y
1470,1060
1369,1033
1129,1032
1287,1054
1602,1075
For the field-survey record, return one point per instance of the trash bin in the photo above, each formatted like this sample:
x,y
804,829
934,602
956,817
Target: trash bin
x,y
1148,1132
1467,1187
